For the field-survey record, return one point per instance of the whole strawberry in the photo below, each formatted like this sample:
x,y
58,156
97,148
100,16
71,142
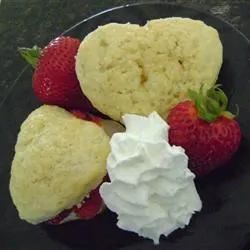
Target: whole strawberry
x,y
54,78
209,134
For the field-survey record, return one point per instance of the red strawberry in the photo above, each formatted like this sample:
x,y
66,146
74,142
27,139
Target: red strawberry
x,y
208,133
86,116
54,78
109,126
90,207
86,210
59,218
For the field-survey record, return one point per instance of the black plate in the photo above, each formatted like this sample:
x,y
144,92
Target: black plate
x,y
223,224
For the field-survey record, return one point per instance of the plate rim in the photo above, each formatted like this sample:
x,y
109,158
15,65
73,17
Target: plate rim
x,y
148,3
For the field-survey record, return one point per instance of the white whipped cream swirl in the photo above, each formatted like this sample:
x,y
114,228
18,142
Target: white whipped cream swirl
x,y
151,189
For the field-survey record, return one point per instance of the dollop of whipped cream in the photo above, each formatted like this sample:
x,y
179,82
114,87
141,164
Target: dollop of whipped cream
x,y
151,188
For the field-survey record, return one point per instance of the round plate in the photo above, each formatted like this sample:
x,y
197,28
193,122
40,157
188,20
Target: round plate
x,y
223,224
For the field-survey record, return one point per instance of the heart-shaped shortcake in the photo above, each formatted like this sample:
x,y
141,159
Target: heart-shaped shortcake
x,y
127,68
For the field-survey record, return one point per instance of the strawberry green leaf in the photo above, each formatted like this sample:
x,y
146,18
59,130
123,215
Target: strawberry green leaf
x,y
228,114
30,55
210,104
217,94
192,94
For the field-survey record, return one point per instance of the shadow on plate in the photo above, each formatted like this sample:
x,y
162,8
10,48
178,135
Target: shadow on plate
x,y
98,233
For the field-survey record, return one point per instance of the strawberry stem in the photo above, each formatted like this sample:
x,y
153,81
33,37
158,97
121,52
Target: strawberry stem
x,y
30,55
211,104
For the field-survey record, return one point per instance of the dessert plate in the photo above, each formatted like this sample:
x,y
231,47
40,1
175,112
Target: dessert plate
x,y
224,222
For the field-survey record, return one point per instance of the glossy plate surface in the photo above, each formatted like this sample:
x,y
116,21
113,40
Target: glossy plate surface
x,y
223,224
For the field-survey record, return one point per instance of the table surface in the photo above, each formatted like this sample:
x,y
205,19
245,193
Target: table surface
x,y
24,23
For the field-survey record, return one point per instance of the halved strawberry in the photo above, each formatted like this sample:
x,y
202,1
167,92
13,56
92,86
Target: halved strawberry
x,y
59,218
90,207
109,126
86,116
87,209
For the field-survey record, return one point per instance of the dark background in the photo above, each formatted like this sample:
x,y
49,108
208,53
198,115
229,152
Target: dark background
x,y
29,22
